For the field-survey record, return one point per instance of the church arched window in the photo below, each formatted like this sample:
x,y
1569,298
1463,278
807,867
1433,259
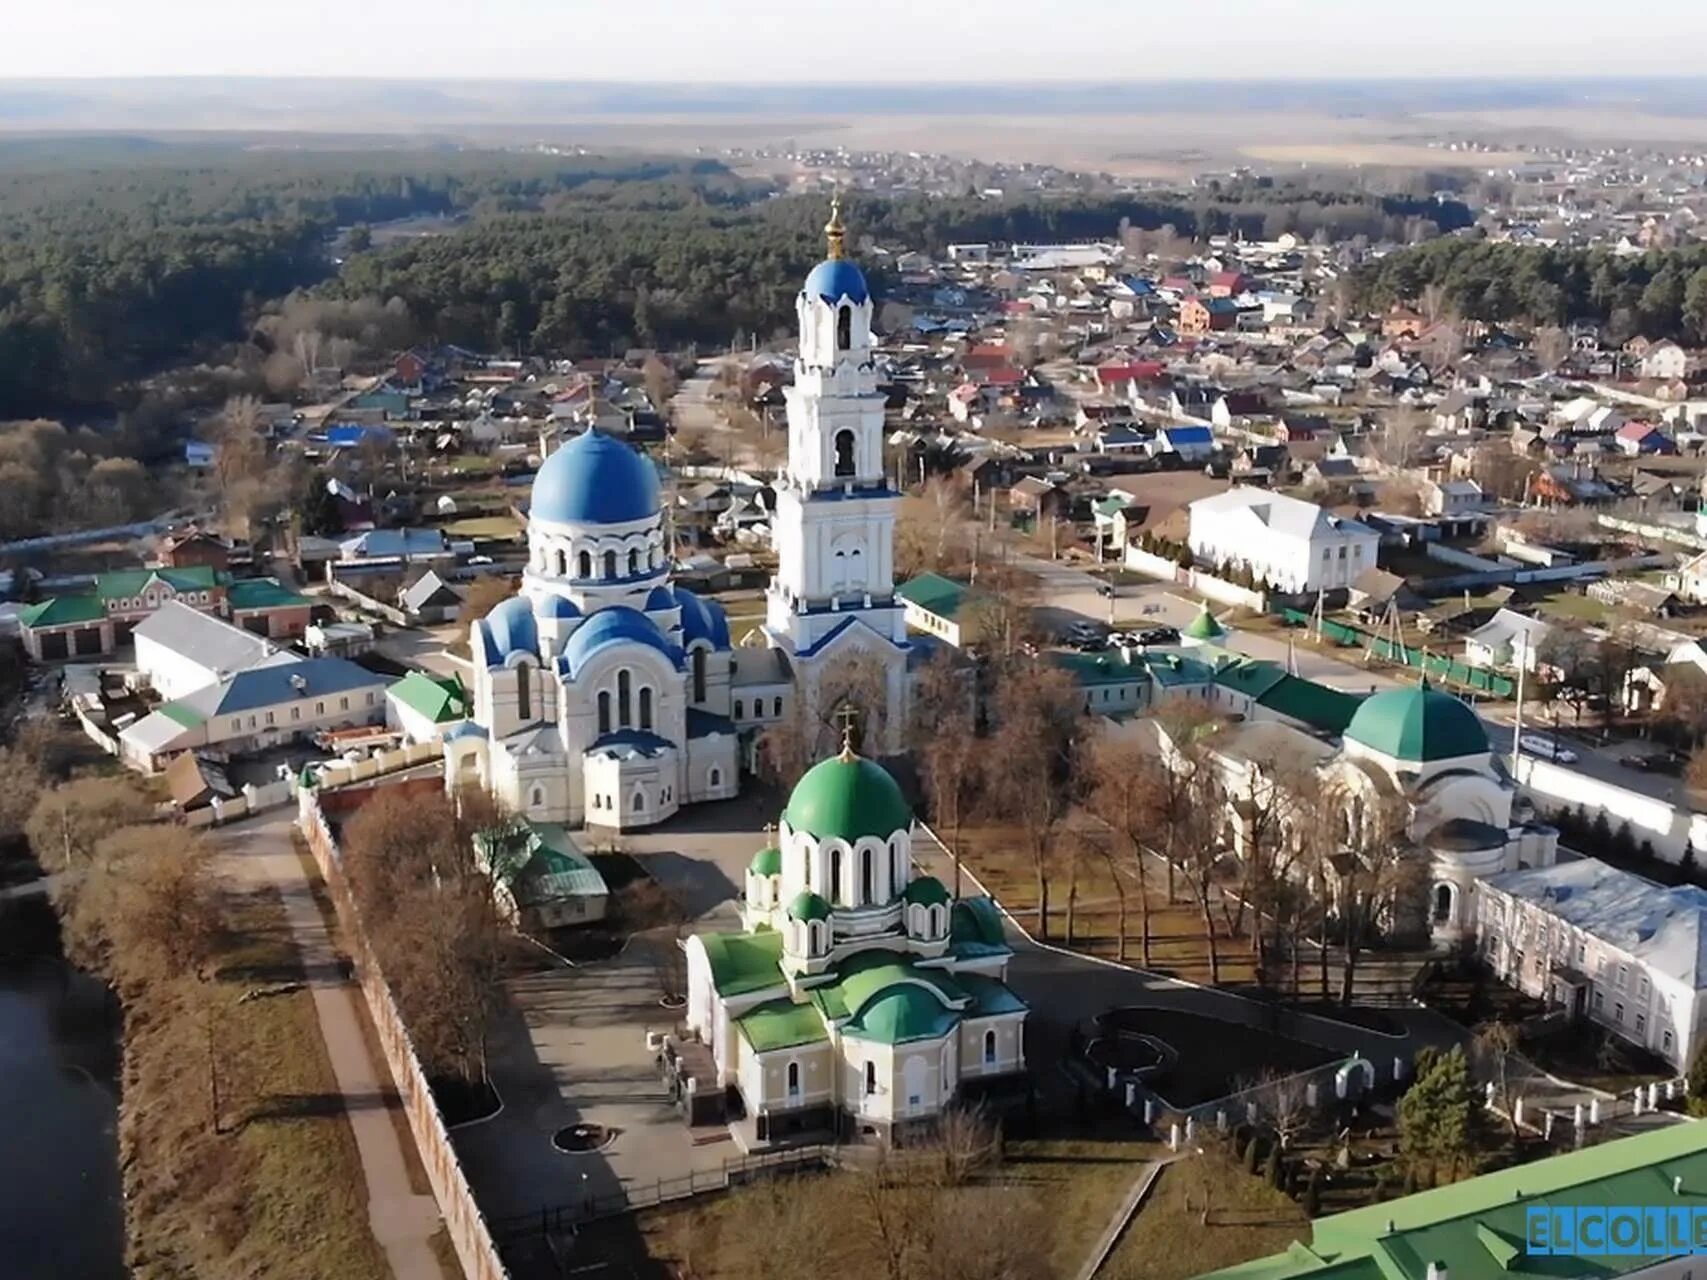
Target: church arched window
x,y
835,886
776,709
740,709
536,797
524,691
844,452
586,565
610,564
633,562
639,802
989,1048
604,711
646,707
844,327
794,1079
715,777
623,683
699,675
562,563
867,877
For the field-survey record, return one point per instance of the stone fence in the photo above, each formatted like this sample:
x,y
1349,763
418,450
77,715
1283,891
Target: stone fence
x,y
1205,584
341,773
251,799
466,1226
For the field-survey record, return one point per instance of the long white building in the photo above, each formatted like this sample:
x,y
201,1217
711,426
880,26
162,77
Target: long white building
x,y
1291,544
1608,945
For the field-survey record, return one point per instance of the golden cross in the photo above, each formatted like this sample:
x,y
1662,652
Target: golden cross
x,y
847,715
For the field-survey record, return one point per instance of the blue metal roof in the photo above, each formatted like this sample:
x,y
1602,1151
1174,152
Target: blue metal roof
x,y
660,598
703,724
557,607
617,625
702,620
595,479
836,278
273,686
510,628
628,743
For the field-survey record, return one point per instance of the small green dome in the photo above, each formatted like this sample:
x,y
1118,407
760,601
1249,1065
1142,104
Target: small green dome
x,y
1418,725
848,797
926,890
808,906
766,862
1204,627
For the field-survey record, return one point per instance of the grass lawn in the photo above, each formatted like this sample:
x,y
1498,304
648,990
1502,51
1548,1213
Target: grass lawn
x,y
998,856
1063,1190
1169,1238
1574,608
485,527
279,1190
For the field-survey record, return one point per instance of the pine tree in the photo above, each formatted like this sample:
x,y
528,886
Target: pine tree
x,y
1439,1116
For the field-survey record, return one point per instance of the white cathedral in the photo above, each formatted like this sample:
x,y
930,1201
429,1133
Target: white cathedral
x,y
605,694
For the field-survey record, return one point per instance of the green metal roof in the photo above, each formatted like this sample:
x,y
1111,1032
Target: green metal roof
x,y
927,890
439,698
1171,669
1477,1227
539,862
1316,705
177,712
901,1013
1418,724
936,594
807,905
262,593
742,963
125,583
62,611
1204,626
782,1024
989,997
766,862
1252,677
848,797
1100,668
976,920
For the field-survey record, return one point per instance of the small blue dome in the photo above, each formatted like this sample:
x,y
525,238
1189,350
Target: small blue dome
x,y
509,628
836,278
595,479
660,598
702,620
556,607
617,625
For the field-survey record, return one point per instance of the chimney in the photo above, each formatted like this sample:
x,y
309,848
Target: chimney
x,y
1436,1271
1677,1184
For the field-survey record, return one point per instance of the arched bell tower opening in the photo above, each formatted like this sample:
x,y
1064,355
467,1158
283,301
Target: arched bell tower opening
x,y
844,327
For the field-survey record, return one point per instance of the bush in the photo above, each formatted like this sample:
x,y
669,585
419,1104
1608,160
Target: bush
x,y
1272,1172
1253,1154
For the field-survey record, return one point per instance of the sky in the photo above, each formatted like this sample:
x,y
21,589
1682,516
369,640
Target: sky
x,y
807,41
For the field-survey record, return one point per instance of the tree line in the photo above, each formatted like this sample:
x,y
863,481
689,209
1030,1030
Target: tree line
x,y
1658,294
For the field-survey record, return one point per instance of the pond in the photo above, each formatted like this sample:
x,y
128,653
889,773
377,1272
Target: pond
x,y
61,1201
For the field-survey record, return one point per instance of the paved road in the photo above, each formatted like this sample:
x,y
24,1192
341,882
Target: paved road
x,y
259,852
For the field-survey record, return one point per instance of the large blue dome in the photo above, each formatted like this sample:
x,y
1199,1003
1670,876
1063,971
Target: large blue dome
x,y
836,278
617,625
595,479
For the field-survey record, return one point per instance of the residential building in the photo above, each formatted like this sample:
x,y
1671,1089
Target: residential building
x,y
1665,361
1207,315
180,650
1452,497
943,608
1504,639
1605,945
262,707
1293,545
1192,444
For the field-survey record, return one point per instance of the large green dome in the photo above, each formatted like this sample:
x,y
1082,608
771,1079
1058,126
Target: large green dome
x,y
1418,725
848,797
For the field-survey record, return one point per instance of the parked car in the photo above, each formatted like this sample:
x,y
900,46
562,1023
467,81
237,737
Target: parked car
x,y
1159,635
1546,749
1669,763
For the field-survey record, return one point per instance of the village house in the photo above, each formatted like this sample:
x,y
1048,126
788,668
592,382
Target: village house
x,y
1207,315
944,608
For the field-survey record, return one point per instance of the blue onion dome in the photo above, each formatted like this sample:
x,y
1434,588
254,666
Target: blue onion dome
x,y
508,629
595,479
836,278
555,606
702,620
617,625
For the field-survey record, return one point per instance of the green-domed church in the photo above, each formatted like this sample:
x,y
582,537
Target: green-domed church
x,y
860,998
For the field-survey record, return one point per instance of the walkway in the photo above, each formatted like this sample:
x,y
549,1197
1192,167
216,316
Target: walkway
x,y
1130,1203
257,853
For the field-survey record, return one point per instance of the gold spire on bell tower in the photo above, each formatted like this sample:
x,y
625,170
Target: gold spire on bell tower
x,y
833,229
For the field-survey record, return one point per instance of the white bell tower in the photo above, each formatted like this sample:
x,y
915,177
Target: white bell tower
x,y
835,514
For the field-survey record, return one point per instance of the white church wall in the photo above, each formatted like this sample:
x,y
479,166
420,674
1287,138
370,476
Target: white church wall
x,y
1668,828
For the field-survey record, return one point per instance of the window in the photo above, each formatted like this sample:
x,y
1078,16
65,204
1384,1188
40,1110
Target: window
x,y
844,453
1618,1012
716,777
1599,1001
586,564
794,1079
319,708
777,708
562,563
369,700
867,878
740,709
269,717
990,1047
536,797
1644,987
1623,975
844,327
343,704
237,724
604,711
646,707
251,722
524,691
1665,1041
633,563
296,713
622,698
870,1077
1641,1023
699,675
835,875
639,805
